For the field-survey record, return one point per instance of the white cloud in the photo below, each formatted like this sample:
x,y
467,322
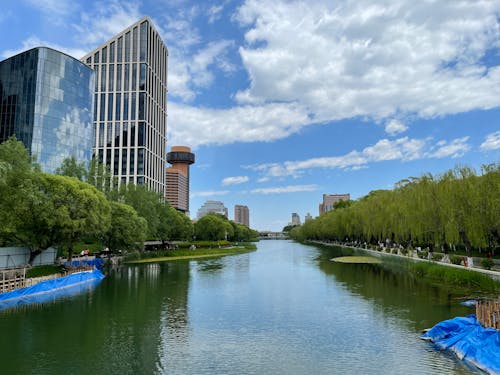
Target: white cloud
x,y
328,61
394,127
359,58
209,193
105,21
57,11
456,148
33,42
492,142
234,180
214,13
196,126
285,189
404,149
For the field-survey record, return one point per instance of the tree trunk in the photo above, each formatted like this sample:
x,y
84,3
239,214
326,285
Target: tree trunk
x,y
466,242
33,254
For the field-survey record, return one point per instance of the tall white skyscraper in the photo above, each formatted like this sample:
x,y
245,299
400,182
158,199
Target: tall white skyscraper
x,y
130,113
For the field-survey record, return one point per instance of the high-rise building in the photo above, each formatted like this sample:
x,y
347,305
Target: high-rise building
x,y
46,101
329,201
177,183
130,120
242,215
295,219
215,207
308,217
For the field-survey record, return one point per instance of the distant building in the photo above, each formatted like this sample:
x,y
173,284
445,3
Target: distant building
x,y
177,178
215,207
242,215
308,217
329,201
130,119
46,101
295,219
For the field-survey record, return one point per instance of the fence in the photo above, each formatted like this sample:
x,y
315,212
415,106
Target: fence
x,y
12,279
488,313
17,257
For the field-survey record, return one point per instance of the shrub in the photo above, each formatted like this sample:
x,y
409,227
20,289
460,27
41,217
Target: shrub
x,y
46,270
456,259
487,263
423,254
404,251
437,257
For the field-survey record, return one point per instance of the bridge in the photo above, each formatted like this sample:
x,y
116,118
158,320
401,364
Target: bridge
x,y
273,235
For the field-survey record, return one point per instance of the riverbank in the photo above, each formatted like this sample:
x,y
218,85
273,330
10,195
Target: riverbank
x,y
412,255
193,254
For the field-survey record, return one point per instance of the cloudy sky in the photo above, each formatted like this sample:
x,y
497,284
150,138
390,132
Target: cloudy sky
x,y
283,101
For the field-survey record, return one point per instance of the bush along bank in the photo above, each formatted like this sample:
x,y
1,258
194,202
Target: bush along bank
x,y
192,251
432,268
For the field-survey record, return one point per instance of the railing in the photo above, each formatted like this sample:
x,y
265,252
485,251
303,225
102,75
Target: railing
x,y
12,279
488,313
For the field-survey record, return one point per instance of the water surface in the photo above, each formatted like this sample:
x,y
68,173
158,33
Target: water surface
x,y
283,309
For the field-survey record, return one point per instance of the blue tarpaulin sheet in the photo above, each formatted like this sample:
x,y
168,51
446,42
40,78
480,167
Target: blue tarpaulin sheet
x,y
469,341
51,289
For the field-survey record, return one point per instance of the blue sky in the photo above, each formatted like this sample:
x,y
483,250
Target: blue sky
x,y
283,101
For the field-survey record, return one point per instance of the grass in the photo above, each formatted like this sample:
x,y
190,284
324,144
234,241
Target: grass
x,y
167,255
39,271
356,259
454,277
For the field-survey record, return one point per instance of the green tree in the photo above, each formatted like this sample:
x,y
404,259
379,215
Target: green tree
x,y
79,210
127,230
211,228
173,225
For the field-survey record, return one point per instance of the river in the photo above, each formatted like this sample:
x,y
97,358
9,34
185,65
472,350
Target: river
x,y
283,309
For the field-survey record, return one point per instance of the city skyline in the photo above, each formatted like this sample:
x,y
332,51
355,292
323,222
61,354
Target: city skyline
x,y
283,102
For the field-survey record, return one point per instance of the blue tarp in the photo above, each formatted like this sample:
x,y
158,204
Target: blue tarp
x,y
469,341
97,263
51,289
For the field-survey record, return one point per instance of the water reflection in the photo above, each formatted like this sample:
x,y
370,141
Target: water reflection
x,y
419,304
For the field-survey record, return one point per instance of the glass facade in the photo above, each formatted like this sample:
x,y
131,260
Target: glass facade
x,y
46,101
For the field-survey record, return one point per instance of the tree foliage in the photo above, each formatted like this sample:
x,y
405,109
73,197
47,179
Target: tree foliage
x,y
127,230
457,208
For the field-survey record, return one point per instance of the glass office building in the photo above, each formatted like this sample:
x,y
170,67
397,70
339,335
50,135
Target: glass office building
x,y
131,105
46,101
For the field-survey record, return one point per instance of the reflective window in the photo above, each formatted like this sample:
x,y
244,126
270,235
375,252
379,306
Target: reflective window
x,y
140,134
111,78
104,56
118,107
125,106
142,77
134,44
142,99
119,49
119,77
143,40
127,47
110,107
132,109
112,52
